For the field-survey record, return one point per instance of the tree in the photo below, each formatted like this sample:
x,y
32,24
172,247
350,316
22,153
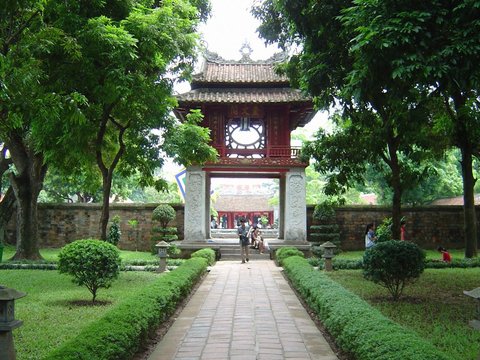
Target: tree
x,y
434,47
393,264
92,263
382,120
29,107
130,53
75,77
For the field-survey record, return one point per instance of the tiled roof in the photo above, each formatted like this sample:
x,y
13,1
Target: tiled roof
x,y
243,95
238,73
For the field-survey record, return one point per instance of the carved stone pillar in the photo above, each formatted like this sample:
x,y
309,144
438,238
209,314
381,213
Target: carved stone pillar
x,y
195,205
295,214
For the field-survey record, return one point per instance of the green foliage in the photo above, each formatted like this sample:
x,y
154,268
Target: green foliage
x,y
135,318
324,213
51,312
187,143
207,254
434,308
384,230
325,226
285,252
92,263
393,264
114,232
357,328
164,213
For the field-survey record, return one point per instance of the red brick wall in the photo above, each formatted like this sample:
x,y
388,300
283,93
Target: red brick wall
x,y
60,224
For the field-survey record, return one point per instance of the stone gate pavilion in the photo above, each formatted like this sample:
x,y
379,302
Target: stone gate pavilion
x,y
250,111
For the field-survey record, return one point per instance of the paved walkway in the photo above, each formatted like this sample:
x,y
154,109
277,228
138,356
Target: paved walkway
x,y
243,311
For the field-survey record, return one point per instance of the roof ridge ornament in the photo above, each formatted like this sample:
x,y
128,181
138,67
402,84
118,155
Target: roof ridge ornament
x,y
246,50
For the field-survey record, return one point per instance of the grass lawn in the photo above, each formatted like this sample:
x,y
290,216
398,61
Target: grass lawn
x,y
50,311
434,307
52,254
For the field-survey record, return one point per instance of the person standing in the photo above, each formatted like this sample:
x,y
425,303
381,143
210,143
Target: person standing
x,y
370,237
402,230
243,235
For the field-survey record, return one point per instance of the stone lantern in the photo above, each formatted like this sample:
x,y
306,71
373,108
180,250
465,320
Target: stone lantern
x,y
328,249
162,247
7,321
475,293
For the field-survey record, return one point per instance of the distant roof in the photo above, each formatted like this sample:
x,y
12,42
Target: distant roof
x,y
243,203
458,200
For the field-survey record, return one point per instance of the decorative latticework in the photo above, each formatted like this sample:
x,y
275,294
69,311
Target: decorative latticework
x,y
245,134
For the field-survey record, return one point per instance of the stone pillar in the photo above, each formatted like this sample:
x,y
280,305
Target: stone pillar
x,y
281,203
295,214
195,205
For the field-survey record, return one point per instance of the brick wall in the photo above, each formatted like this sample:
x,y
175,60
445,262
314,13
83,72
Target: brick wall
x,y
60,224
427,226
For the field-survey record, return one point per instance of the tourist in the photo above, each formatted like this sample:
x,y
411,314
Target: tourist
x,y
257,239
213,223
370,237
402,230
243,234
445,254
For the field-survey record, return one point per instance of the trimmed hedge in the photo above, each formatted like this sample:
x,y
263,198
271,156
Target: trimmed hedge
x,y
285,252
121,331
207,253
350,264
357,327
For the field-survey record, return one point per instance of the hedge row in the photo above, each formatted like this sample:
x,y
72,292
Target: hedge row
x,y
357,327
429,264
121,331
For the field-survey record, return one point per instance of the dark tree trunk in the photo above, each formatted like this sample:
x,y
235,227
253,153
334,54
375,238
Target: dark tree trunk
x,y
6,211
107,187
470,219
26,186
464,142
396,184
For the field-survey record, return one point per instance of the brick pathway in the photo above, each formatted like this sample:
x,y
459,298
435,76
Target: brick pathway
x,y
243,311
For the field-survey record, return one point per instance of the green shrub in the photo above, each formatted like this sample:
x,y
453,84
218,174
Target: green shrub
x,y
325,227
114,232
163,213
384,231
285,252
121,331
357,327
393,264
207,253
92,263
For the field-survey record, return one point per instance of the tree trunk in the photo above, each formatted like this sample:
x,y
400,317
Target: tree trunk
x,y
396,185
6,211
107,187
470,219
26,186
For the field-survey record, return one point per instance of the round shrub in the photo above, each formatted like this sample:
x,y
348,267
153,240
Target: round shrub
x,y
163,213
285,252
393,264
92,263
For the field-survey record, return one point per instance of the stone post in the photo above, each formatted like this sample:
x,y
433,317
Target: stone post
x,y
8,322
295,214
196,198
